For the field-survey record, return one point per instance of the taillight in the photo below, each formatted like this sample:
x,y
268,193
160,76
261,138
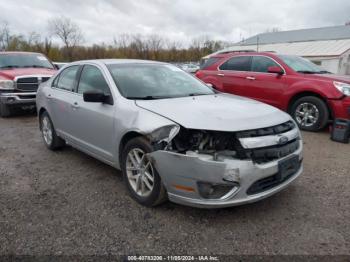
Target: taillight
x,y
199,74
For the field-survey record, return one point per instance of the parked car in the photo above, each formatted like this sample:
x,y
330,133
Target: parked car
x,y
190,68
59,65
310,94
20,75
171,135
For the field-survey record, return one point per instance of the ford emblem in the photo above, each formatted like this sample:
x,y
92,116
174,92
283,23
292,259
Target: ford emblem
x,y
283,140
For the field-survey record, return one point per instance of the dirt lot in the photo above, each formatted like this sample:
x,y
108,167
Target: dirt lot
x,y
69,203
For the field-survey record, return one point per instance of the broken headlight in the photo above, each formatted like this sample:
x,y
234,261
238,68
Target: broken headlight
x,y
164,134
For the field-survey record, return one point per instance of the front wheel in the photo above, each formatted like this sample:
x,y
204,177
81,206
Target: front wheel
x,y
4,110
141,178
310,113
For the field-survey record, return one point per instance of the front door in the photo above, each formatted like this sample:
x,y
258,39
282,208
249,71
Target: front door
x,y
93,123
264,86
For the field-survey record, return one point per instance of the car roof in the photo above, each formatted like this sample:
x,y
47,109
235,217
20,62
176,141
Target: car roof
x,y
118,61
18,52
231,54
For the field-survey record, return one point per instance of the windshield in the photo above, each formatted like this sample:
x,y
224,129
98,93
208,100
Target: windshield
x,y
155,81
8,61
302,65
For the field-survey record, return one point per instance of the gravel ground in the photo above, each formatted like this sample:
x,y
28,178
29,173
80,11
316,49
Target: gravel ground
x,y
69,203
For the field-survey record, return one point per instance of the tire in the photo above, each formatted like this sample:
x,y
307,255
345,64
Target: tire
x,y
51,140
148,194
4,110
311,113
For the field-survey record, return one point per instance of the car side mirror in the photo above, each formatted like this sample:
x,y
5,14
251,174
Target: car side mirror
x,y
275,70
97,97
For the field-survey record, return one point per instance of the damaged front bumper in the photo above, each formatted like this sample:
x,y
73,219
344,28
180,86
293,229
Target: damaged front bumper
x,y
239,181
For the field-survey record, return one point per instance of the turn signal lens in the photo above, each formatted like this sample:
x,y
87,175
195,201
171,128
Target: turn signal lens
x,y
184,188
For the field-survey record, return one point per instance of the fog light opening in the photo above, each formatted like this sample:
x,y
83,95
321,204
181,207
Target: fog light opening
x,y
215,191
10,99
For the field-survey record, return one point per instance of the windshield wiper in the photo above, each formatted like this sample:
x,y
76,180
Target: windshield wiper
x,y
198,94
147,97
324,72
9,67
37,66
307,72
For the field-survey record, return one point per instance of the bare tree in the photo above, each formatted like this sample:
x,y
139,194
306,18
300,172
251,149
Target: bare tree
x,y
155,43
68,31
5,36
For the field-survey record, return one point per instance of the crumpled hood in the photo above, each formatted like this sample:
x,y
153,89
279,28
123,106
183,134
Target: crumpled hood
x,y
12,73
220,112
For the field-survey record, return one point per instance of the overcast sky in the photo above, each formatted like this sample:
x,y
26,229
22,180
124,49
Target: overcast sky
x,y
179,20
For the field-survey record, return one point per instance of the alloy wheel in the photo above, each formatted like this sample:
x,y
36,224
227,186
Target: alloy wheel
x,y
140,172
306,114
47,130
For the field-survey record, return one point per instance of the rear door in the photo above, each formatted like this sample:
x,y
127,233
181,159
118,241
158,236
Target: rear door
x,y
234,73
266,87
93,123
61,97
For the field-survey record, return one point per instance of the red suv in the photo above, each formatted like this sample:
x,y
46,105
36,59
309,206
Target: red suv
x,y
310,94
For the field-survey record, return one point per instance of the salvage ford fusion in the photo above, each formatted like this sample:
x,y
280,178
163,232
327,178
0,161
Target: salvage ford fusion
x,y
172,136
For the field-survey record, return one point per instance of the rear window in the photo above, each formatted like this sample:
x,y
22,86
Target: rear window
x,y
208,62
238,63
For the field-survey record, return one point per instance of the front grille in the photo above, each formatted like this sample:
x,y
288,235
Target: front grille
x,y
271,153
273,130
269,182
266,154
29,84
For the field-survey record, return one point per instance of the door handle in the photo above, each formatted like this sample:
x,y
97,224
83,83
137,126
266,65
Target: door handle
x,y
250,78
220,74
49,96
75,105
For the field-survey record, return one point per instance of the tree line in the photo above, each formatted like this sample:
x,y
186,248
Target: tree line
x,y
135,46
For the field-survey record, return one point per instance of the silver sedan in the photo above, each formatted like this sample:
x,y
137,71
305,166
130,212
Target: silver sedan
x,y
172,136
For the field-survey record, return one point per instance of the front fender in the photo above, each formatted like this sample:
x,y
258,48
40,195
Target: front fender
x,y
138,120
321,88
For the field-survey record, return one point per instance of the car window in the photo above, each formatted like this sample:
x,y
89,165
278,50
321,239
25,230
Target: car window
x,y
262,63
55,81
238,63
92,79
67,78
300,64
155,81
209,62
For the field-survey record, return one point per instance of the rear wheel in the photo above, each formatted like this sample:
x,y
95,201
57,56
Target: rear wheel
x,y
310,113
51,140
141,178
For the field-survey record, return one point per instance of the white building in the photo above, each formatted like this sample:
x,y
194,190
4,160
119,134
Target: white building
x,y
328,47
